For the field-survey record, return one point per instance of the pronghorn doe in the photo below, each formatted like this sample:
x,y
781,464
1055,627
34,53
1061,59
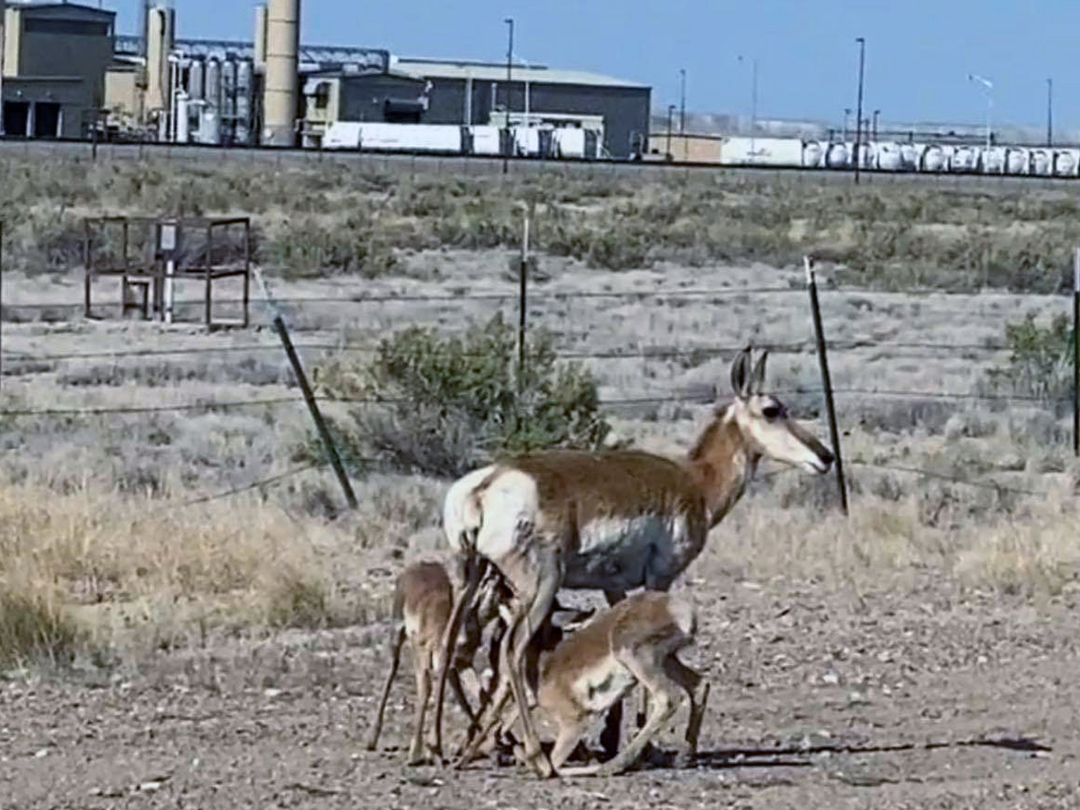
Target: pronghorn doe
x,y
613,521
634,642
423,599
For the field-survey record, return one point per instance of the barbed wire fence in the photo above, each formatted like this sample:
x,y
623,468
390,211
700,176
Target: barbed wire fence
x,y
522,299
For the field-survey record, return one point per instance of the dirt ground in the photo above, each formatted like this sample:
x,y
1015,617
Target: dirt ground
x,y
919,696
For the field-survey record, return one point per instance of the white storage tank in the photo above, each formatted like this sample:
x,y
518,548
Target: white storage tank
x,y
964,159
933,158
1065,162
909,157
228,88
837,156
485,140
213,82
196,73
245,91
993,160
1042,162
811,154
1017,160
183,125
210,126
889,157
569,142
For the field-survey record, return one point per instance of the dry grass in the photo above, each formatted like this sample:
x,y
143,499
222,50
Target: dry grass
x,y
106,569
91,558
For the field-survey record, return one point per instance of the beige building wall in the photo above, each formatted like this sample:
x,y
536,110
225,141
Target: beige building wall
x,y
122,91
687,147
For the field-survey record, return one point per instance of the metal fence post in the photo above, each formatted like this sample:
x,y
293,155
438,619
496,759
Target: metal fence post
x,y
830,407
1076,353
523,292
309,397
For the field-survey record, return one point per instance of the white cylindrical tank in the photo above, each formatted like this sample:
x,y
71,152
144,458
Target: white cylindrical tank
x,y
196,73
245,80
888,157
228,88
213,82
182,124
963,159
1064,163
210,126
811,155
1017,161
1042,162
909,157
933,158
837,155
281,98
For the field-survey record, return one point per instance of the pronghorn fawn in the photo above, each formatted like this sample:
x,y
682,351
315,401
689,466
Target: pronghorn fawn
x,y
635,642
613,521
423,598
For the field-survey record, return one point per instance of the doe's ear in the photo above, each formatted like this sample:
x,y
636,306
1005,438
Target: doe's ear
x,y
739,376
757,379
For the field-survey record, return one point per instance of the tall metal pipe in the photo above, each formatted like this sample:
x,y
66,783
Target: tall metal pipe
x,y
281,97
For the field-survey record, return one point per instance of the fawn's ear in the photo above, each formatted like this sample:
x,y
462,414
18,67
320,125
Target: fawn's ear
x,y
757,379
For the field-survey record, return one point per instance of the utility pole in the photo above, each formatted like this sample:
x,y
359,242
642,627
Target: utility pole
x,y
682,102
509,77
1049,112
876,114
847,115
858,107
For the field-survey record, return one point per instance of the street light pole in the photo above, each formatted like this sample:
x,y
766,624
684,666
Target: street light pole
x,y
989,85
858,110
753,103
847,115
509,77
1049,112
682,101
876,114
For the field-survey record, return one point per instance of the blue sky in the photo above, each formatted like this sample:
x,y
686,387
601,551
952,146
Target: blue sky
x,y
918,52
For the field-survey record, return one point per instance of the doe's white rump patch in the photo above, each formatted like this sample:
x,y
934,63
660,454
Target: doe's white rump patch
x,y
458,515
510,508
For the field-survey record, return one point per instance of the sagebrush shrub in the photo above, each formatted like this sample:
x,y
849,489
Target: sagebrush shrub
x,y
453,402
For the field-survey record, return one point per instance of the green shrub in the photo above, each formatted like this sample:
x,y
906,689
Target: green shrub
x,y
310,247
1040,362
454,402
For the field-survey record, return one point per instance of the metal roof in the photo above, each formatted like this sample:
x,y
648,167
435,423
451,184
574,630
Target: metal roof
x,y
493,71
52,5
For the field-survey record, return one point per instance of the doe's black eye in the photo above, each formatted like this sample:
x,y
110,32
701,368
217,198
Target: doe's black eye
x,y
771,411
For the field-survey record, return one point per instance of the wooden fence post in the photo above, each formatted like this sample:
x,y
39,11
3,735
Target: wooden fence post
x,y
309,397
823,359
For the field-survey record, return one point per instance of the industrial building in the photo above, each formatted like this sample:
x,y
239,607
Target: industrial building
x,y
55,56
436,91
66,72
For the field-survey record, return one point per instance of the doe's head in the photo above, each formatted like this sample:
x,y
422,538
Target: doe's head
x,y
765,423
